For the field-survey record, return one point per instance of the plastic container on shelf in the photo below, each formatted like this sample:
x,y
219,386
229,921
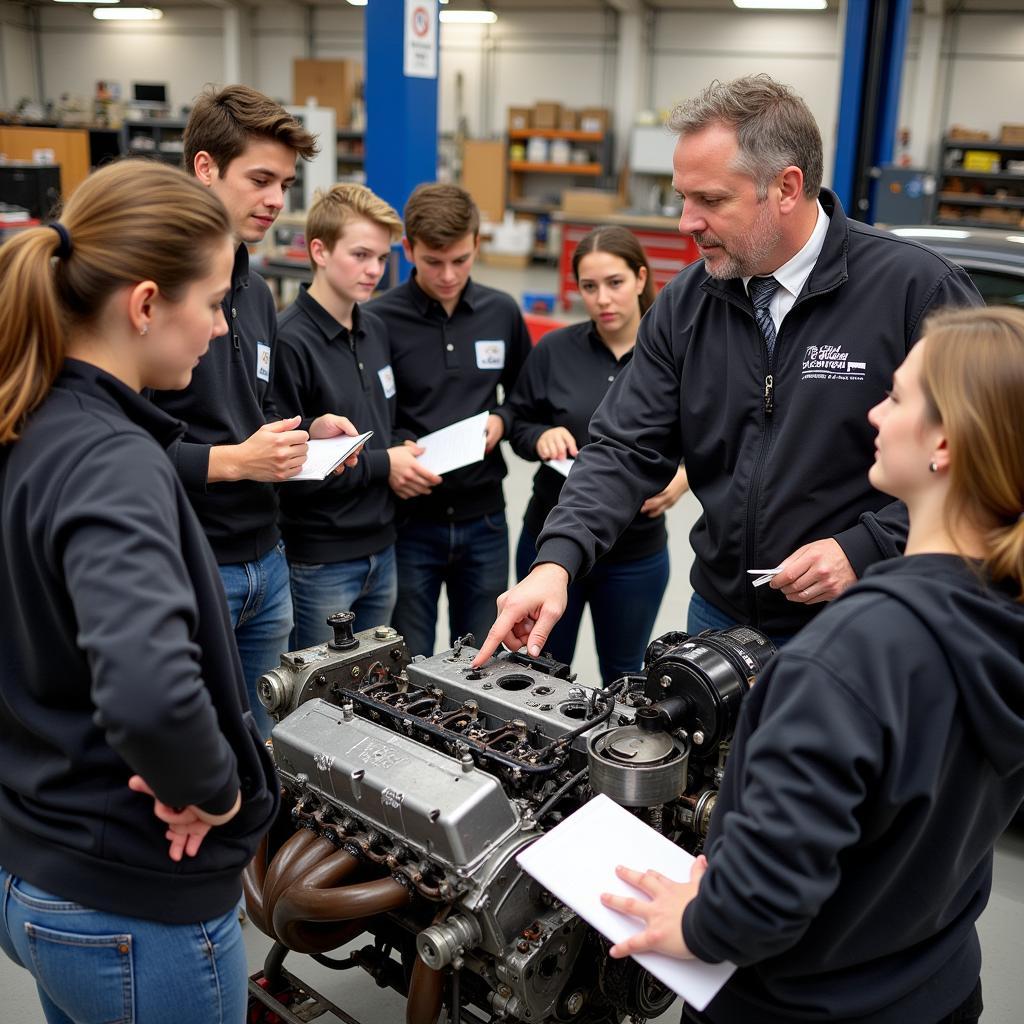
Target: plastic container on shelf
x,y
537,151
560,151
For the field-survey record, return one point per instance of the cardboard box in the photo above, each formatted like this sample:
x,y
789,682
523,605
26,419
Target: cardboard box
x,y
546,115
589,202
1013,134
511,260
519,119
595,119
332,83
999,215
567,120
959,133
483,175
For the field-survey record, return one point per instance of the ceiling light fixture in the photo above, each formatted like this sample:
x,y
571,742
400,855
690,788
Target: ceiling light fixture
x,y
781,5
128,14
357,3
469,17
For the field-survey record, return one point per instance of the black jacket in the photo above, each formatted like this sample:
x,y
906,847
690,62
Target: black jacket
x,y
228,400
561,384
874,766
322,365
117,658
445,370
770,477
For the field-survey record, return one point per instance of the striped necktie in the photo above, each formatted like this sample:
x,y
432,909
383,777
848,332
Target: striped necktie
x,y
761,290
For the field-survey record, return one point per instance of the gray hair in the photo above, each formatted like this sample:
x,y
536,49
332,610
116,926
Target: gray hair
x,y
774,128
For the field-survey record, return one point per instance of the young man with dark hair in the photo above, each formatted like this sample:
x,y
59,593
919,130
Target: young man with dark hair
x,y
340,532
453,341
243,146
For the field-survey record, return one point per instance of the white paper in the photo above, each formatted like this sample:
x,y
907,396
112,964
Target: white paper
x,y
452,447
327,453
561,465
576,861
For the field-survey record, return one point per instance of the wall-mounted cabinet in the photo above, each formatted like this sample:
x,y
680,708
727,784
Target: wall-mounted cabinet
x,y
981,184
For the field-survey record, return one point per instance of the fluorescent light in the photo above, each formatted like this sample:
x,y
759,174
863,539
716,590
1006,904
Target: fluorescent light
x,y
931,232
781,5
90,2
469,17
1015,238
357,3
128,14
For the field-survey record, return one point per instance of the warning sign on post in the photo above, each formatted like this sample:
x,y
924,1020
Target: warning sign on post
x,y
421,38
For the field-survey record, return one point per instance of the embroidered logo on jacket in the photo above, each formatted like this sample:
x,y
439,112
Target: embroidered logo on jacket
x,y
830,362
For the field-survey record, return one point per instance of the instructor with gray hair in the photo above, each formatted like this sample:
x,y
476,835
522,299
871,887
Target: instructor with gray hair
x,y
756,367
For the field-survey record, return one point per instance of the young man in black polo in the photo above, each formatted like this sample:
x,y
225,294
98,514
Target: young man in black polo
x,y
244,146
332,354
453,341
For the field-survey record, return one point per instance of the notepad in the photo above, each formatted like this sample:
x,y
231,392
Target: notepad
x,y
326,454
457,445
576,862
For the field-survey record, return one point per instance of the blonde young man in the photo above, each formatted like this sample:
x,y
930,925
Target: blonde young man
x,y
332,354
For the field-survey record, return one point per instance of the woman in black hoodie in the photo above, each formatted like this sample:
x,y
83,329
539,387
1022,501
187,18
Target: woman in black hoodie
x,y
881,754
133,784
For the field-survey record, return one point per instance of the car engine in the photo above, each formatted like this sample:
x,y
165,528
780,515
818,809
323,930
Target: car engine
x,y
410,784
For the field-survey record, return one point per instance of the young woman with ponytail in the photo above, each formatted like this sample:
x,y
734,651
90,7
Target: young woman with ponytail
x,y
133,784
881,754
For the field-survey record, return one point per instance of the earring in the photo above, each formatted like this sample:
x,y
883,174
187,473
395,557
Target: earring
x,y
144,330
932,467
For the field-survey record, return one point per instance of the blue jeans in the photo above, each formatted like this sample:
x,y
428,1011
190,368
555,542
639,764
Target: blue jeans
x,y
260,602
702,615
624,599
367,586
92,967
470,559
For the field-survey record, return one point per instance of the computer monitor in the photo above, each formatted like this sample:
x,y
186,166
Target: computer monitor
x,y
149,92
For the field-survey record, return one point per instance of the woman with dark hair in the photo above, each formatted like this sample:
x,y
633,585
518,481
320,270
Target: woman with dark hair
x,y
134,787
563,381
881,754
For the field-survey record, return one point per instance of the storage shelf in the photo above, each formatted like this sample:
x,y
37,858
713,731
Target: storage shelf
x,y
967,199
588,170
570,135
959,172
954,222
995,147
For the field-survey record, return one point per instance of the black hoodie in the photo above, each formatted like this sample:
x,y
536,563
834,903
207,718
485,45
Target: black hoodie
x,y
874,766
116,658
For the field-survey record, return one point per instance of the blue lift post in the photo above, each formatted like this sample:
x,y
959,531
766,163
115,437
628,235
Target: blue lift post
x,y
873,52
401,110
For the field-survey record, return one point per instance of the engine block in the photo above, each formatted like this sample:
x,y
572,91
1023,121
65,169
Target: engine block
x,y
412,783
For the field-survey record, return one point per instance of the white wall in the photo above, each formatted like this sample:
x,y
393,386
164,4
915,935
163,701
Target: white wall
x,y
568,56
184,49
802,50
986,71
17,56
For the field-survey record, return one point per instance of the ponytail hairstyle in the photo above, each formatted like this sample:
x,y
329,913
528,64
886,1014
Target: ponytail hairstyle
x,y
617,241
973,382
131,221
